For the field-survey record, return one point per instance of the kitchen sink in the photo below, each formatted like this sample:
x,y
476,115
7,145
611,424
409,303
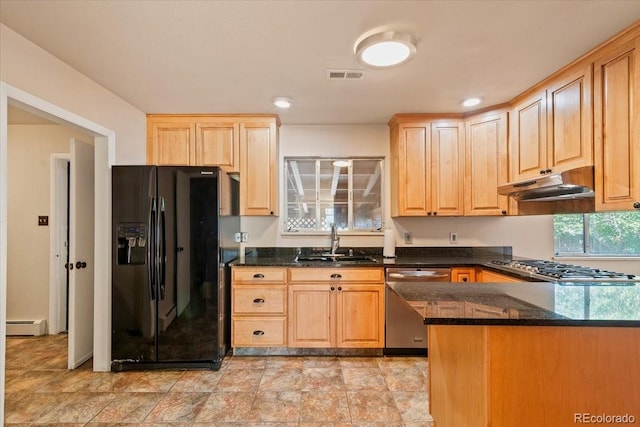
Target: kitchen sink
x,y
327,257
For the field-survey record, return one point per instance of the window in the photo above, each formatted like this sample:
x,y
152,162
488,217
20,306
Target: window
x,y
322,191
599,234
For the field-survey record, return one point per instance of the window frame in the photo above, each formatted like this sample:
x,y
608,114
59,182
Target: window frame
x,y
350,205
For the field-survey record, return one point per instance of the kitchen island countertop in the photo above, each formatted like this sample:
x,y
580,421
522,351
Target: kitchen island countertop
x,y
526,303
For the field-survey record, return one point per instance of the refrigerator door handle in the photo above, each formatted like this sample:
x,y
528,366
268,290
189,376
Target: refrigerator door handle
x,y
151,249
163,248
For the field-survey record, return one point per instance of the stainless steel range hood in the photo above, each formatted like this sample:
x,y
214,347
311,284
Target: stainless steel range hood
x,y
572,184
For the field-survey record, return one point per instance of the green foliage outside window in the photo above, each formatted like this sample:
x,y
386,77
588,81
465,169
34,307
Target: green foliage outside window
x,y
608,233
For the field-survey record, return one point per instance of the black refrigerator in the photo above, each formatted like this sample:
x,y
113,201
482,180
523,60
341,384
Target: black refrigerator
x,y
173,234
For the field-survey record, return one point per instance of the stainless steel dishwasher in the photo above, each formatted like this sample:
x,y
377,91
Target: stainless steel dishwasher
x,y
406,333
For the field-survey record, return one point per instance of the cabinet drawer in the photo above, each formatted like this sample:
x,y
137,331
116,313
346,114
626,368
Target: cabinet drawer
x,y
259,332
254,299
336,274
258,275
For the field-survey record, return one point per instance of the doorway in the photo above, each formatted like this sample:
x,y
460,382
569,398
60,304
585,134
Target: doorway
x,y
50,210
104,157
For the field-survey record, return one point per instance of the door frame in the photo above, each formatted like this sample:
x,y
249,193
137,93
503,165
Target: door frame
x,y
104,140
58,185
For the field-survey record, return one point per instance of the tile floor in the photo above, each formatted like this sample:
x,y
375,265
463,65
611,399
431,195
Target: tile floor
x,y
246,391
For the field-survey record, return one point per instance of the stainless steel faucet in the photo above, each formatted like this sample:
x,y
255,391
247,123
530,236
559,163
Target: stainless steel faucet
x,y
335,240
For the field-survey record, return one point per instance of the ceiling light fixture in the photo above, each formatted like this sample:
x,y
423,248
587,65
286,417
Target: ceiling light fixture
x,y
471,102
282,102
341,163
385,49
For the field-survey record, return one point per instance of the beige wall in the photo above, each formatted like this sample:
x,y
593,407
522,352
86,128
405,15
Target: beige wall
x,y
530,236
28,67
29,151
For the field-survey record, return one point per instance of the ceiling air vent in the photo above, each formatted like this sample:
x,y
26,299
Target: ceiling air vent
x,y
345,74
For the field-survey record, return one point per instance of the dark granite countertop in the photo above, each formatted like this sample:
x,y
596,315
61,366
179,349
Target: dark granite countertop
x,y
406,257
527,303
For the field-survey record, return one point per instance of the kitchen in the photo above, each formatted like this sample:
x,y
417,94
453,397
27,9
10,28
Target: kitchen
x,y
370,140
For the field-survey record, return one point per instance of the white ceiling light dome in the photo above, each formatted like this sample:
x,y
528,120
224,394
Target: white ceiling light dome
x,y
385,49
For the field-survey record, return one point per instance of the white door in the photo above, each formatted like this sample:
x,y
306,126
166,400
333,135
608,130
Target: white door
x,y
81,236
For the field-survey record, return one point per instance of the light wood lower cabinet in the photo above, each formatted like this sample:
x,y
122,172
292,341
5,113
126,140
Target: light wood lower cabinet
x,y
259,307
463,274
336,308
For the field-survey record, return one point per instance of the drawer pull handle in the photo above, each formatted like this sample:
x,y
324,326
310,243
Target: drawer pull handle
x,y
258,301
258,333
258,276
336,276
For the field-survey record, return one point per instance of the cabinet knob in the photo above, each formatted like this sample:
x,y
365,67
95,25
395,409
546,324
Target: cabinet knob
x,y
333,288
429,213
435,213
339,288
270,212
258,301
548,171
636,205
504,212
258,333
336,276
464,279
542,172
258,276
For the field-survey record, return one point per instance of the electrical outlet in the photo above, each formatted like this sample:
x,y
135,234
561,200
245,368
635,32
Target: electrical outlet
x,y
408,238
453,237
238,237
244,237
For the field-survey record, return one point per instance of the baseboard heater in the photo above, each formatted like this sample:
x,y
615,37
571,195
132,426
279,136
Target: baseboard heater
x,y
26,327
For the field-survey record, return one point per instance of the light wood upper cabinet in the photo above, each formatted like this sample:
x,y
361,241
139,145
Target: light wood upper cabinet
x,y
259,168
447,168
617,128
528,155
485,165
551,129
569,120
170,142
427,168
218,144
247,144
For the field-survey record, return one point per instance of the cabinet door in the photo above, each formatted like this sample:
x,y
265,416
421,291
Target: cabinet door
x,y
529,138
360,314
617,128
311,315
413,185
569,121
462,274
171,144
217,144
447,163
485,165
258,169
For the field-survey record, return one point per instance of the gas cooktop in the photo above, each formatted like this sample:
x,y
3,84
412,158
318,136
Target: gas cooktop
x,y
559,272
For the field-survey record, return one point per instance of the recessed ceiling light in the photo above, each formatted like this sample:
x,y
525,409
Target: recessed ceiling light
x,y
471,102
385,49
282,102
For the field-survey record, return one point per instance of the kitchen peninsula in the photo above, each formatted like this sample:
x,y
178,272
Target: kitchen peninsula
x,y
543,354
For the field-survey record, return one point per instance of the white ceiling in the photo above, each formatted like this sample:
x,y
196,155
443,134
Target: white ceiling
x,y
235,56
